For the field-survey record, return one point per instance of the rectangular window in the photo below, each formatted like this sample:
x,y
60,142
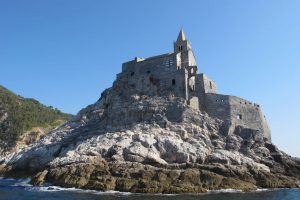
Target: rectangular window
x,y
239,117
173,82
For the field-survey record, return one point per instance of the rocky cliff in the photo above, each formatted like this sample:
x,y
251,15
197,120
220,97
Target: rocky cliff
x,y
139,143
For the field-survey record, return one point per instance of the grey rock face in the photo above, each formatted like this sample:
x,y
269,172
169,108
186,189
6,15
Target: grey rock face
x,y
148,130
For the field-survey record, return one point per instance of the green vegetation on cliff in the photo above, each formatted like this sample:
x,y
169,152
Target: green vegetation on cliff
x,y
19,115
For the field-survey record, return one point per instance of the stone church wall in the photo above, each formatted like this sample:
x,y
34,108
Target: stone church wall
x,y
237,111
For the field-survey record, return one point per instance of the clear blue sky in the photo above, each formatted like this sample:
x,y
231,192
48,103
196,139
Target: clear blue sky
x,y
64,53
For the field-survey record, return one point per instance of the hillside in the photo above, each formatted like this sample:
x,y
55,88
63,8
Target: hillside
x,y
23,116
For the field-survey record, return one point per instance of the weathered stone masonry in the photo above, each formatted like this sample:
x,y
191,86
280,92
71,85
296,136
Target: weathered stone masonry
x,y
176,74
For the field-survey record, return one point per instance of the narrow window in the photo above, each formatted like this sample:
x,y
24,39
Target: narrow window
x,y
210,85
173,82
239,117
151,79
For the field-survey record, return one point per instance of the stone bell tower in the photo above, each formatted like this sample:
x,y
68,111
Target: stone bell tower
x,y
182,44
186,62
183,49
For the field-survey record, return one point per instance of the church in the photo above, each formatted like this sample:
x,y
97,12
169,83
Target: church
x,y
176,74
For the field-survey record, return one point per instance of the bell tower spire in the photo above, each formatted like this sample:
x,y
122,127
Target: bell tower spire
x,y
182,44
181,36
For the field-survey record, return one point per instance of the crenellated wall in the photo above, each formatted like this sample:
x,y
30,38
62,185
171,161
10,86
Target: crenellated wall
x,y
216,105
249,115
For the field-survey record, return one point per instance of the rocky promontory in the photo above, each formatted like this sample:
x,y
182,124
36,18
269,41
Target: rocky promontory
x,y
152,144
161,128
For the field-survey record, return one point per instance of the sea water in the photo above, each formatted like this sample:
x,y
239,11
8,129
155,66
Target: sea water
x,y
12,189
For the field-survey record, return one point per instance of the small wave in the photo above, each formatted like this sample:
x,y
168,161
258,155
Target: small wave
x,y
7,179
16,182
23,182
57,189
262,190
113,193
224,191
